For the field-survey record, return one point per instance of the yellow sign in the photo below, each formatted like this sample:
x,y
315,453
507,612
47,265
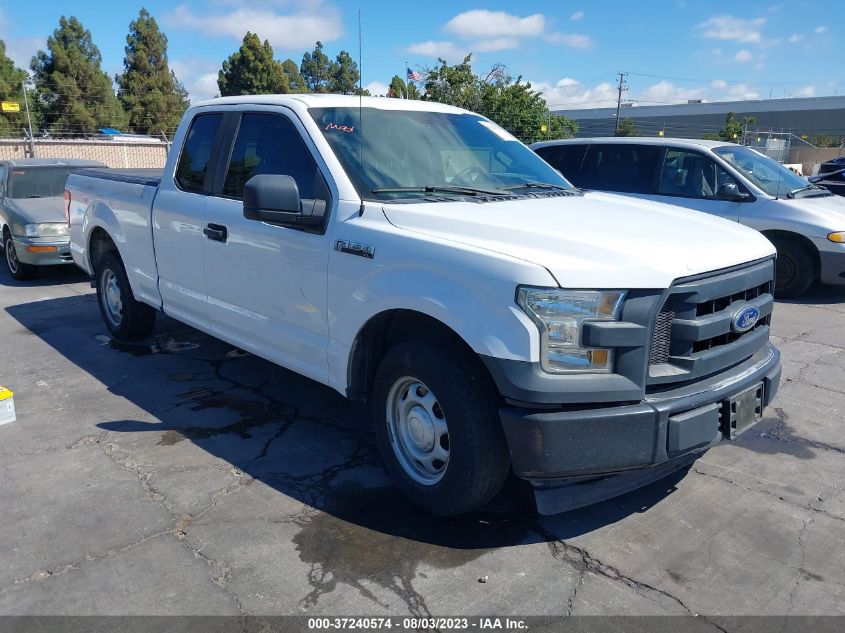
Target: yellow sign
x,y
660,133
10,106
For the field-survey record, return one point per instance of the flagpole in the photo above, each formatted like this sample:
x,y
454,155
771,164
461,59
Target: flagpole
x,y
405,96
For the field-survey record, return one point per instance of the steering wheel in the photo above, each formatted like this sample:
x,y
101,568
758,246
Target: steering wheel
x,y
470,174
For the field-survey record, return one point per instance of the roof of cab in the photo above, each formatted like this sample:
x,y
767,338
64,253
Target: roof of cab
x,y
51,162
639,140
333,101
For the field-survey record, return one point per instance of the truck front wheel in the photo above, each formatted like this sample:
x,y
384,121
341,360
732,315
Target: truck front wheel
x,y
126,318
438,428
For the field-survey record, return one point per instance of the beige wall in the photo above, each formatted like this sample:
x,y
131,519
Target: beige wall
x,y
811,157
112,153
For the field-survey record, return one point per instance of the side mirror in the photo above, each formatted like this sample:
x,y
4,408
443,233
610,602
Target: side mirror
x,y
275,198
730,191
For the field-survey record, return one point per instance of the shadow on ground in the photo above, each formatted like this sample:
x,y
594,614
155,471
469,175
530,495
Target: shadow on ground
x,y
299,437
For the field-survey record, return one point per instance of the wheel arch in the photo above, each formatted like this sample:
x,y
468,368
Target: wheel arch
x,y
387,329
779,235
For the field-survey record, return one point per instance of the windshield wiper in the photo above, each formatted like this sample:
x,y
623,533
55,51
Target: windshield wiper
x,y
464,191
809,187
535,185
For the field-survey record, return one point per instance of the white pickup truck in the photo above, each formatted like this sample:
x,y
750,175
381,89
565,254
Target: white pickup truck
x,y
419,256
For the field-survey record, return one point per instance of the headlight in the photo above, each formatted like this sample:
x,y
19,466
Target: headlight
x,y
559,314
57,229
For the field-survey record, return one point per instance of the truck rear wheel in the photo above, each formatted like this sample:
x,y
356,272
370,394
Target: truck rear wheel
x,y
794,270
438,428
125,318
17,269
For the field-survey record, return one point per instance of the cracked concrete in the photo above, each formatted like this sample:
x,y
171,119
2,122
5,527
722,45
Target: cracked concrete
x,y
183,476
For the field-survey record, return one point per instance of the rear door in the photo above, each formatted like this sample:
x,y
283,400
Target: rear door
x,y
178,220
267,284
620,167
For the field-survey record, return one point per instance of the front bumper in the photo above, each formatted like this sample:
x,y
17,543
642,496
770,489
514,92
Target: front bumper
x,y
550,448
832,265
39,251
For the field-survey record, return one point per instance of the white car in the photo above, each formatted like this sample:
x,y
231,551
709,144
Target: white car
x,y
419,256
804,221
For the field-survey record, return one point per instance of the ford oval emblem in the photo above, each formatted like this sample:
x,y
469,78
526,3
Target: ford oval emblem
x,y
745,318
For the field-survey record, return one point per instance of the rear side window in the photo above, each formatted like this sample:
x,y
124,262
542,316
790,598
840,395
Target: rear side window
x,y
196,152
690,174
566,159
270,144
624,167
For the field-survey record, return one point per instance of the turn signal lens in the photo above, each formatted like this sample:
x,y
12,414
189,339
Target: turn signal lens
x,y
838,237
42,249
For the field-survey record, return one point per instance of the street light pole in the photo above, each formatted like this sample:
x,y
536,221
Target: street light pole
x,y
29,121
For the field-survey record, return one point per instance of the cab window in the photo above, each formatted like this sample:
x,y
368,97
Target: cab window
x,y
270,144
196,152
690,174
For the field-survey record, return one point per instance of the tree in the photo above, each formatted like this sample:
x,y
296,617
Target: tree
x,y
627,128
73,94
514,105
316,69
296,82
734,130
401,90
11,80
150,94
252,70
344,74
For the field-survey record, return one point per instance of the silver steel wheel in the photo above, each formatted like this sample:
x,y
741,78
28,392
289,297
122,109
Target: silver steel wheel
x,y
418,431
111,297
11,256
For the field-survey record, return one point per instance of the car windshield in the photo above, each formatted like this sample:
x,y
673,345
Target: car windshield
x,y
769,175
392,154
38,182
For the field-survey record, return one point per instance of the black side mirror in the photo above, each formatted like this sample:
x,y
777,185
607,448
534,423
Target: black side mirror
x,y
730,191
275,198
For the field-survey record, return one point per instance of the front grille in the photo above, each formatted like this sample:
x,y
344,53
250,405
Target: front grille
x,y
694,334
662,337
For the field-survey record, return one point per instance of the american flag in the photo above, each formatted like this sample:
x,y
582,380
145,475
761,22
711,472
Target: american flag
x,y
413,75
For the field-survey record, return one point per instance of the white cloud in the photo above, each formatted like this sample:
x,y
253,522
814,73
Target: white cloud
x,y
576,16
805,91
820,29
795,38
492,24
743,56
377,88
22,49
497,44
293,31
568,93
198,76
438,48
572,40
730,28
667,92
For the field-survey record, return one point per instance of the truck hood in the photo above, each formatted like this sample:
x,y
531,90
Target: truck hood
x,y
35,210
597,240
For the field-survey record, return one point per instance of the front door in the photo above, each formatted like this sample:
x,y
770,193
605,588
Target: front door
x,y
692,179
267,284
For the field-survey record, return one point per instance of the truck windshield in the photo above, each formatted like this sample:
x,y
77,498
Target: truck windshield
x,y
772,177
38,182
392,154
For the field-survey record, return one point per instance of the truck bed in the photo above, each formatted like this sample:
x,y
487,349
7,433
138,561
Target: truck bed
x,y
151,177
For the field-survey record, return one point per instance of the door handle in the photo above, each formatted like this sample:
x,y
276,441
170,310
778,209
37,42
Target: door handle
x,y
216,232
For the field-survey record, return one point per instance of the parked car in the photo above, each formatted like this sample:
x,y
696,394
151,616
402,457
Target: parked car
x,y
804,221
419,256
831,176
33,223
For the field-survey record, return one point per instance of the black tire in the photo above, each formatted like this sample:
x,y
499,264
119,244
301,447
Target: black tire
x,y
478,458
795,268
133,320
17,269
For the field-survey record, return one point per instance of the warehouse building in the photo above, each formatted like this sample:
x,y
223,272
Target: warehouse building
x,y
805,117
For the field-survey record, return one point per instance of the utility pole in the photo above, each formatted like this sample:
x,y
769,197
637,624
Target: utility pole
x,y
29,121
622,88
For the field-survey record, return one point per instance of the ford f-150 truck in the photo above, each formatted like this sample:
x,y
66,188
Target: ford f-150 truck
x,y
419,256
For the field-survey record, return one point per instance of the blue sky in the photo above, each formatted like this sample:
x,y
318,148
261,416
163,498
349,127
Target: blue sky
x,y
570,49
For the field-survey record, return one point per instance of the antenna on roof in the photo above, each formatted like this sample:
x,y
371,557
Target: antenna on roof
x,y
360,110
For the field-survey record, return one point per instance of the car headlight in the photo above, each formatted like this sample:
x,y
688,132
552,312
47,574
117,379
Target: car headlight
x,y
47,229
559,314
